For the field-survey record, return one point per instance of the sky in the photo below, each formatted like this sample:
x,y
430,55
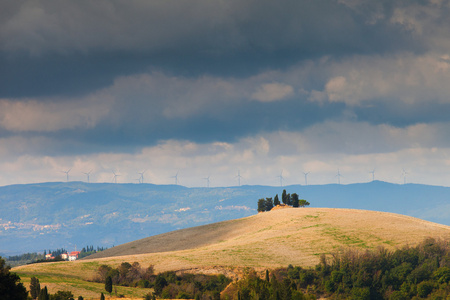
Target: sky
x,y
235,90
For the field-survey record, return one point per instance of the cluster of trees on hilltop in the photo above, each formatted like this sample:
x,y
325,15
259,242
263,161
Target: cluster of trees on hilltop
x,y
422,272
287,199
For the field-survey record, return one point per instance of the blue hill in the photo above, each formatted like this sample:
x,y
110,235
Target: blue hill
x,y
42,216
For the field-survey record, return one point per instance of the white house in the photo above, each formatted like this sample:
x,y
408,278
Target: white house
x,y
73,255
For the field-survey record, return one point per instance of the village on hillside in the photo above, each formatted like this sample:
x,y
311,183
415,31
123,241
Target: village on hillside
x,y
65,256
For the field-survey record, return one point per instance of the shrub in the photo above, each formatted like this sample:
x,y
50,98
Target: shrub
x,y
424,288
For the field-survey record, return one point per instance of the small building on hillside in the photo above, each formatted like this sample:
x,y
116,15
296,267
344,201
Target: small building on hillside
x,y
49,256
65,256
73,255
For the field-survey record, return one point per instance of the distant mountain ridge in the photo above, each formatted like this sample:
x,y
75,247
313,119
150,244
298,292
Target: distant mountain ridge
x,y
52,215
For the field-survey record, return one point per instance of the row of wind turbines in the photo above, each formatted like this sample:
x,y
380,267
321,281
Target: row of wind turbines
x,y
238,176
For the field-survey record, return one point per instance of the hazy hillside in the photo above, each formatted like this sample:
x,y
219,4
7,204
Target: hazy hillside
x,y
266,240
52,215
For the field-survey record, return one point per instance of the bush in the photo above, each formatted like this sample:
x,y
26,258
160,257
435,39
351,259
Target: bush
x,y
424,289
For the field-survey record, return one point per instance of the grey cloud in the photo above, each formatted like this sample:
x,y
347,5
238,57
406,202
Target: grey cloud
x,y
207,27
73,47
187,69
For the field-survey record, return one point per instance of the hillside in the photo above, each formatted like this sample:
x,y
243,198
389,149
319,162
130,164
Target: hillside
x,y
38,217
280,237
266,240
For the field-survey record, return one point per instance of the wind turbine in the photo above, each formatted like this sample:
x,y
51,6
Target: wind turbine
x,y
207,180
115,176
87,174
142,176
176,178
67,174
339,176
239,177
373,174
306,177
404,173
281,178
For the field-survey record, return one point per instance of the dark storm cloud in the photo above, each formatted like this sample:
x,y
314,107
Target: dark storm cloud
x,y
120,75
72,47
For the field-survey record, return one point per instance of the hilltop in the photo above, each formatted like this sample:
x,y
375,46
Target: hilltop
x,y
38,217
277,238
272,239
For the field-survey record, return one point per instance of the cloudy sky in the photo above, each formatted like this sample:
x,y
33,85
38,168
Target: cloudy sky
x,y
212,88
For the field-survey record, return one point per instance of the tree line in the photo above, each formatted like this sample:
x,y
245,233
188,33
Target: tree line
x,y
167,285
34,257
421,272
287,199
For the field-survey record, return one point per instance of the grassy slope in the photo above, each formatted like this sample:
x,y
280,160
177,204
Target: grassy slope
x,y
266,240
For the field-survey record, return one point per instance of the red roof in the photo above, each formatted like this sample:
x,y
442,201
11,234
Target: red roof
x,y
74,253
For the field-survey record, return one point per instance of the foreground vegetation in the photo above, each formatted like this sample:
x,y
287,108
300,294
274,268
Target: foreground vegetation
x,y
422,272
166,285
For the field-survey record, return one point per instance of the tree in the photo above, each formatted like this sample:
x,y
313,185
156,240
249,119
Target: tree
x,y
276,201
269,204
43,294
80,298
160,284
303,203
102,297
283,197
10,286
288,199
108,284
294,198
261,205
35,287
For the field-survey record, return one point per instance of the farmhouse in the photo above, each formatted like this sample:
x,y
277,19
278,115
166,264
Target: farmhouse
x,y
49,256
73,255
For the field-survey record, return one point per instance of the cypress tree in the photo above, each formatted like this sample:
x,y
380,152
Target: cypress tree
x,y
108,284
43,295
276,201
288,199
283,197
102,297
295,200
35,287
